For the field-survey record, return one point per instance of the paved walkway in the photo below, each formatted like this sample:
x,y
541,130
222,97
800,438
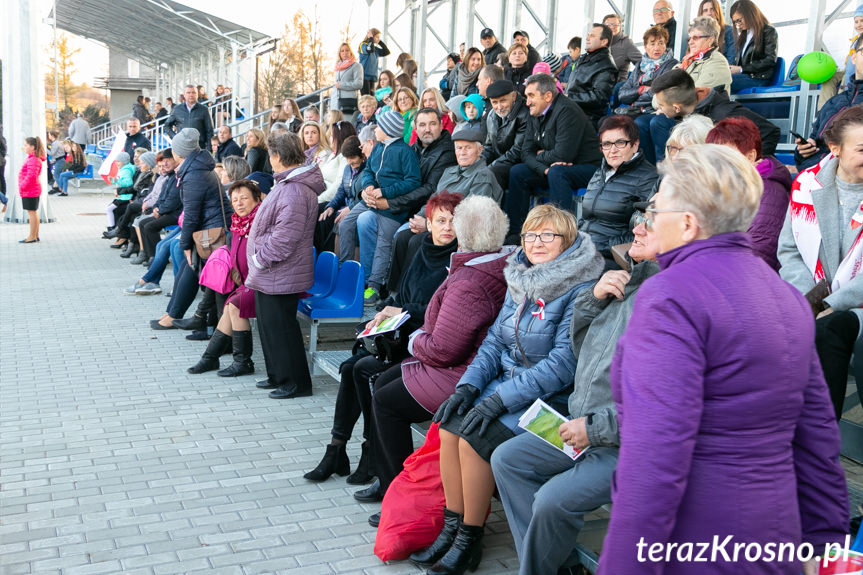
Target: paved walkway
x,y
115,460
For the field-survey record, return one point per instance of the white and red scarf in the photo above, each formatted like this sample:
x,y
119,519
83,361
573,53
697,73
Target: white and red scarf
x,y
807,233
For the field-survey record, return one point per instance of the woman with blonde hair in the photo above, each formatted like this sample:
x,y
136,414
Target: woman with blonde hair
x,y
348,79
406,103
256,151
316,146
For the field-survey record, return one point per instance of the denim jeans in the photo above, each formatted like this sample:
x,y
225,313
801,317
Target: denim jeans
x,y
63,180
564,180
653,132
744,81
160,260
185,284
523,183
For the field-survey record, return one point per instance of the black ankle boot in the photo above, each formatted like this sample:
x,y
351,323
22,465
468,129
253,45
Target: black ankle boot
x,y
363,473
210,360
432,554
335,461
242,342
465,553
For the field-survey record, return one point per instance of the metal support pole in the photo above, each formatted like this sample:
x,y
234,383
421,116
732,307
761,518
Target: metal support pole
x,y
423,24
628,17
56,73
813,40
516,17
502,30
470,23
551,36
235,73
386,30
453,19
682,32
588,18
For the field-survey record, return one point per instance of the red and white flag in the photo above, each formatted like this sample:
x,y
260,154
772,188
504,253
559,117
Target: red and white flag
x,y
108,170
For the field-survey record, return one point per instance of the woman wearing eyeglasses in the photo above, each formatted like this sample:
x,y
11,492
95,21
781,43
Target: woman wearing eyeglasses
x,y
726,428
704,61
526,355
625,177
757,46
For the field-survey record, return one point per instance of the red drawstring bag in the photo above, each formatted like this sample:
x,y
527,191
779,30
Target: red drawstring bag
x,y
412,510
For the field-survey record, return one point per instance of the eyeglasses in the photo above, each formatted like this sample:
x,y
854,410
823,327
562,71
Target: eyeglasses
x,y
737,20
672,150
650,215
693,38
661,10
637,219
544,237
619,144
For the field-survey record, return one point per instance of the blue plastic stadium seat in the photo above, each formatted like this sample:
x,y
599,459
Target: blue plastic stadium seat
x,y
170,228
776,81
326,274
785,158
90,149
87,173
346,299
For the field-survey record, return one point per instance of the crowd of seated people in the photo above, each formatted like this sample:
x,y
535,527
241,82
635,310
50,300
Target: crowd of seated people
x,y
462,212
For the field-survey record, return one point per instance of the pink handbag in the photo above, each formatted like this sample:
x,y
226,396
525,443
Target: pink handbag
x,y
216,274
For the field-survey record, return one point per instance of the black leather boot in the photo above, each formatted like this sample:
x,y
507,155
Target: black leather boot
x,y
432,554
242,341
210,360
335,461
465,553
363,473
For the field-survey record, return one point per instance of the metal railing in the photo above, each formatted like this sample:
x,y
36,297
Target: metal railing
x,y
222,111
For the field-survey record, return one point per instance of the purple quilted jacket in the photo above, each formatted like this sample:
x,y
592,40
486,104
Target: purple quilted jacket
x,y
279,249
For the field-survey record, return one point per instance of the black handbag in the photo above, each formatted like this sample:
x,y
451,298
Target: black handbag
x,y
390,347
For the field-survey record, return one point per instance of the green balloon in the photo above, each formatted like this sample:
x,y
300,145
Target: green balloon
x,y
816,67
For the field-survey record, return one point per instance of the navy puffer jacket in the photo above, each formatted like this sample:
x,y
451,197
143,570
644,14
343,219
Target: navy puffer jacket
x,y
202,194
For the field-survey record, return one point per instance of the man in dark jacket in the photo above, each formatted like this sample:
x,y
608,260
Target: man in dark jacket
x,y
492,49
507,127
191,114
594,74
134,138
139,110
558,131
521,37
166,210
813,150
678,97
663,15
623,50
227,145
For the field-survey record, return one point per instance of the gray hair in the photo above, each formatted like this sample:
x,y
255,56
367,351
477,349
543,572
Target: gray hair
x,y
368,133
692,130
236,168
279,127
480,225
288,147
716,183
544,83
707,26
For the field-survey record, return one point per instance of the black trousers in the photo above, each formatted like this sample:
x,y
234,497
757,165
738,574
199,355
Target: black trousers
x,y
368,87
405,247
124,223
355,396
835,336
325,231
282,341
393,411
150,228
501,174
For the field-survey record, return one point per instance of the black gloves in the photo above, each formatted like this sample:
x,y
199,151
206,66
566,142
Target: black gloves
x,y
482,415
459,402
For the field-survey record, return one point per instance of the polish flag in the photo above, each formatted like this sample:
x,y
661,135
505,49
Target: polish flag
x,y
108,170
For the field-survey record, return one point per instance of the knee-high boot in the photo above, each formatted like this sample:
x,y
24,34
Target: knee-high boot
x,y
209,361
242,355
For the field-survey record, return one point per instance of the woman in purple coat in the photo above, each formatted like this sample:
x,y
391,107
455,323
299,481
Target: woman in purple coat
x,y
234,329
742,134
281,264
727,434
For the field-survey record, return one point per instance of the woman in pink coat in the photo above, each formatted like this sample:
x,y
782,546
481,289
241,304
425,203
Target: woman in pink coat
x,y
29,186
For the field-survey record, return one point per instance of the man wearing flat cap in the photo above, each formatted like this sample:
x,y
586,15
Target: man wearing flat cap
x,y
507,127
470,176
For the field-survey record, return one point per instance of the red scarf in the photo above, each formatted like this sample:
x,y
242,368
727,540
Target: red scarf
x,y
241,225
345,64
697,57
